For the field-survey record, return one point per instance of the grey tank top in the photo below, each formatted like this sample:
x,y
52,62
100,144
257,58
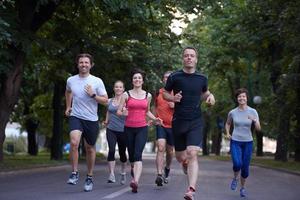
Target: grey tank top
x,y
115,122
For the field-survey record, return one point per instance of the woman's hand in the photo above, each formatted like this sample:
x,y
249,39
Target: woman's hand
x,y
228,136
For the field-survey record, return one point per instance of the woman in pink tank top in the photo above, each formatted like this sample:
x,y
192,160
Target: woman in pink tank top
x,y
137,102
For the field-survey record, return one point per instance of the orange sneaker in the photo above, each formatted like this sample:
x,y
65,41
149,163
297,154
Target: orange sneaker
x,y
190,194
134,186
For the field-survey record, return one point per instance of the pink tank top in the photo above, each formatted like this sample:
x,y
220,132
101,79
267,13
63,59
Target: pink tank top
x,y
137,109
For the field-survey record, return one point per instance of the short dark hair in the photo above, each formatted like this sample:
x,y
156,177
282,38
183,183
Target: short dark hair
x,y
190,47
85,55
240,91
138,71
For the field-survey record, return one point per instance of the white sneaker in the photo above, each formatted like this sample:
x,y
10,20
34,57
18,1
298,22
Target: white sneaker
x,y
88,185
123,178
111,178
73,179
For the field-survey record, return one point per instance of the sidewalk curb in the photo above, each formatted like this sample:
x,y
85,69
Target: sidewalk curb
x,y
34,169
277,169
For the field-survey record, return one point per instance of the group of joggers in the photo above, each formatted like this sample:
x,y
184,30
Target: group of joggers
x,y
177,117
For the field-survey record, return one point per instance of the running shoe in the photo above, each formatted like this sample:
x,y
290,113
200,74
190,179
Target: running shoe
x,y
111,178
234,184
159,180
166,175
190,194
88,185
123,178
73,179
134,186
243,192
185,166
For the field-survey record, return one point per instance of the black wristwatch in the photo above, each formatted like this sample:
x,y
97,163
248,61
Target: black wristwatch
x,y
93,95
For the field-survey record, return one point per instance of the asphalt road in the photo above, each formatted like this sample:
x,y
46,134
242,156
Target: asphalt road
x,y
214,180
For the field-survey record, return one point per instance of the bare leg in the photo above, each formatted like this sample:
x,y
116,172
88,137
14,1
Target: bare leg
x,y
111,167
123,167
192,155
161,147
137,170
181,156
169,156
90,157
243,181
74,140
236,174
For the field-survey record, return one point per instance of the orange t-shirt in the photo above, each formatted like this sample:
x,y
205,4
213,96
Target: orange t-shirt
x,y
163,110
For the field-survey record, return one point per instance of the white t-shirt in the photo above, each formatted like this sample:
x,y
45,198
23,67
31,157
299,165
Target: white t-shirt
x,y
83,106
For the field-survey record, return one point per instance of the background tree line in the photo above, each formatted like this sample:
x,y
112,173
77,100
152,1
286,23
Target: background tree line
x,y
241,43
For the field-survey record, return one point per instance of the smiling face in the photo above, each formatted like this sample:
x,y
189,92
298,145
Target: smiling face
x,y
242,99
137,80
118,88
189,58
84,65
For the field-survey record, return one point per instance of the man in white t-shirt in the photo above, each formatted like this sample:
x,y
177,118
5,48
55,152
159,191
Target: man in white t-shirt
x,y
83,93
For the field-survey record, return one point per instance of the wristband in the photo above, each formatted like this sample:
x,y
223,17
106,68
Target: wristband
x,y
93,95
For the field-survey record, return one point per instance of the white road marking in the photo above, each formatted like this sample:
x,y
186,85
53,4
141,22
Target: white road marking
x,y
117,193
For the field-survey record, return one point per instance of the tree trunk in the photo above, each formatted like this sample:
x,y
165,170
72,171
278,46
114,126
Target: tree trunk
x,y
57,134
30,19
218,142
283,129
297,114
9,93
31,127
259,145
206,129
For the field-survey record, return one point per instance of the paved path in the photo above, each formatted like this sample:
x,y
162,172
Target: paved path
x,y
214,179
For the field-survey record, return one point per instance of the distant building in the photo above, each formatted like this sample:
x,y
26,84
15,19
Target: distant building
x,y
14,130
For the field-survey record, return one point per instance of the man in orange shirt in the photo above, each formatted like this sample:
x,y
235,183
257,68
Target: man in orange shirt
x,y
164,137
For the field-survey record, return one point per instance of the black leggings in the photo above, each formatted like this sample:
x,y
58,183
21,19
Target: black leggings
x,y
114,137
136,140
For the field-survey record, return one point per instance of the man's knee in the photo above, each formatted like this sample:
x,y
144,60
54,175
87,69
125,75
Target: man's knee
x,y
192,151
90,149
180,156
161,147
170,150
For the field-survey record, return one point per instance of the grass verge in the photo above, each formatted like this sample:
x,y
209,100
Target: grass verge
x,y
267,161
24,161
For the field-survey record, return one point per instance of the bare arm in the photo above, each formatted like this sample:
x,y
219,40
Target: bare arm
x,y
168,96
171,104
227,128
122,111
150,114
69,96
256,122
209,98
103,99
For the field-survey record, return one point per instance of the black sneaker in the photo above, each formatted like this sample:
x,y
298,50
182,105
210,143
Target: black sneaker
x,y
73,179
166,175
159,180
88,185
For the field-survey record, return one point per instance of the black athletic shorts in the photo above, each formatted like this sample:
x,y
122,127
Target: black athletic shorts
x,y
187,133
89,129
165,133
